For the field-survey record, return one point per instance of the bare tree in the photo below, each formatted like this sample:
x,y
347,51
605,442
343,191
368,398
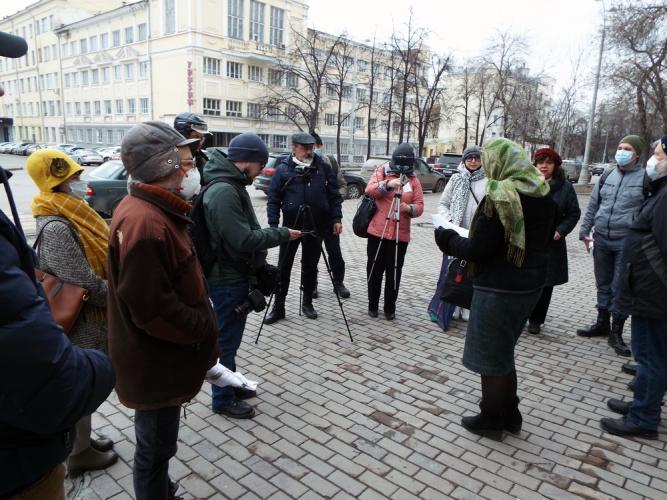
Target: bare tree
x,y
374,73
341,64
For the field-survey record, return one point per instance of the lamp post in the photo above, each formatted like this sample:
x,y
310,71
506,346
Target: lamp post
x,y
584,177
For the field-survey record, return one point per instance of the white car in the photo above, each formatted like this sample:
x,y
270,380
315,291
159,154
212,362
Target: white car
x,y
86,157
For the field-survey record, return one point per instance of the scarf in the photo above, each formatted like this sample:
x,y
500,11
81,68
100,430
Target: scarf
x,y
93,231
461,188
171,199
510,172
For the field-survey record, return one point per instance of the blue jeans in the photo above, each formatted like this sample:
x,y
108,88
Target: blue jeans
x,y
230,331
607,257
649,346
156,432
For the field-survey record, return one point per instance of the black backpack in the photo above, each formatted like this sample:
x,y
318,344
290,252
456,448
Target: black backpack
x,y
201,236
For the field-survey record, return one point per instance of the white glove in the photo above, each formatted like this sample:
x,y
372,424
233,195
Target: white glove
x,y
222,377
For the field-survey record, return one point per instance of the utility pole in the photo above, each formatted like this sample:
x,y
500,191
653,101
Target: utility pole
x,y
584,177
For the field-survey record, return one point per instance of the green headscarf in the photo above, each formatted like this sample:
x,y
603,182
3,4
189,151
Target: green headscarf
x,y
510,172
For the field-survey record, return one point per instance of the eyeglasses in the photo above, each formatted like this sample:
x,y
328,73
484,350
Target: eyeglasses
x,y
473,158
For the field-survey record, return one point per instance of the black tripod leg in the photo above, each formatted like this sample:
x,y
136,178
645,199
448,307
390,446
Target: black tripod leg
x,y
266,312
340,302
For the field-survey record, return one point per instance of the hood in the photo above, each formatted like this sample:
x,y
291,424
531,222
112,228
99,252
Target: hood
x,y
218,165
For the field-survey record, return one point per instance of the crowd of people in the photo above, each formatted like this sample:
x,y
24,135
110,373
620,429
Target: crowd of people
x,y
153,303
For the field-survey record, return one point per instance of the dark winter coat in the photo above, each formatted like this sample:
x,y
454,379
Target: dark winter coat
x,y
46,383
232,223
567,217
486,248
287,193
162,330
643,285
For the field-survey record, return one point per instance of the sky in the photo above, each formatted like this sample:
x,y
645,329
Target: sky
x,y
557,31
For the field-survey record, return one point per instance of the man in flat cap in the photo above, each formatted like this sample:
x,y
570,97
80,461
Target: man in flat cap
x,y
162,329
306,191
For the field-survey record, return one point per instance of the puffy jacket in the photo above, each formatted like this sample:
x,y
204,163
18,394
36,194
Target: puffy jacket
x,y
232,223
643,285
46,383
612,211
288,191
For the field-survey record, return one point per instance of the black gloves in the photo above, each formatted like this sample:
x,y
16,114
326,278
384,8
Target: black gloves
x,y
442,237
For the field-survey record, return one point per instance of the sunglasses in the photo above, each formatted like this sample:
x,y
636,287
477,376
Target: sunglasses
x,y
473,158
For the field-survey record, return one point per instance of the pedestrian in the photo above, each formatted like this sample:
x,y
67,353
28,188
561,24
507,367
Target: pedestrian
x,y
47,384
610,212
332,240
395,189
549,163
192,126
458,204
305,190
162,329
508,249
73,246
241,243
642,293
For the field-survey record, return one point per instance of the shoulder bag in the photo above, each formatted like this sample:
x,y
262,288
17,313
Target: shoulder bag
x,y
364,215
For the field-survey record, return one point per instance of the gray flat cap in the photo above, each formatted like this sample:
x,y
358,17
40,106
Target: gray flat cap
x,y
303,138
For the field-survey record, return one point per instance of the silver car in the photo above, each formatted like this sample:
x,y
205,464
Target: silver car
x,y
430,178
86,157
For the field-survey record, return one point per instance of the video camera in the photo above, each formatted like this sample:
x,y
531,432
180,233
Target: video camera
x,y
403,160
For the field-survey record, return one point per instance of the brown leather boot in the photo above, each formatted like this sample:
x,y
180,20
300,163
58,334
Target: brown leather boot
x,y
90,459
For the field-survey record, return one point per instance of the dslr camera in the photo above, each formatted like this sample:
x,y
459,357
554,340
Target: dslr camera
x,y
305,170
266,281
255,301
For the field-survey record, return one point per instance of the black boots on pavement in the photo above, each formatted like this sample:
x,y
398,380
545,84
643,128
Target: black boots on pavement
x,y
600,328
615,339
604,327
307,306
277,311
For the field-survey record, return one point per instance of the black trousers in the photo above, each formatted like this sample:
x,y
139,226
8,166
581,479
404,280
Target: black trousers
x,y
310,256
539,313
334,254
384,267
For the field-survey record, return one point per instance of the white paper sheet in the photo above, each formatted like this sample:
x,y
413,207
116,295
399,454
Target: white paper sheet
x,y
440,221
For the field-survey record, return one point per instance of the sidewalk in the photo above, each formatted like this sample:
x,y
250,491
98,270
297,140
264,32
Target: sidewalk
x,y
379,418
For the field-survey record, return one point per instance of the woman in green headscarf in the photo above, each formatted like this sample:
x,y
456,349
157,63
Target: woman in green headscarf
x,y
507,249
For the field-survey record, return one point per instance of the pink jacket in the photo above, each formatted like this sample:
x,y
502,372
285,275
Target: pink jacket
x,y
412,195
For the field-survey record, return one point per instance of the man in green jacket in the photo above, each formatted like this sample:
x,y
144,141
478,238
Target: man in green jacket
x,y
241,243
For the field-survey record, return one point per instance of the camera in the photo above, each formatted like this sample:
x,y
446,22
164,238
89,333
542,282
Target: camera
x,y
255,301
305,169
402,169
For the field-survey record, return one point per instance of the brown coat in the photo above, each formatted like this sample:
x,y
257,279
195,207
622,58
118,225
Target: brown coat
x,y
162,329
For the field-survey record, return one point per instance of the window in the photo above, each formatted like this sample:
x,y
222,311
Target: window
x,y
109,136
361,65
361,94
234,70
211,106
68,108
92,41
345,122
279,141
107,107
89,133
84,77
264,137
373,123
132,106
65,48
277,27
235,18
95,76
211,66
99,136
129,34
83,46
169,16
104,41
129,71
47,53
142,32
106,74
358,122
116,38
275,77
67,80
117,74
86,108
254,110
347,91
119,106
233,108
98,107
255,73
52,108
329,119
143,69
143,105
292,80
331,90
256,21
77,106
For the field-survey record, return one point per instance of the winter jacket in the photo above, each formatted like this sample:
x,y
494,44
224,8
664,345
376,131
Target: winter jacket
x,y
567,217
162,330
232,223
486,248
46,383
288,192
478,189
340,178
412,195
612,211
61,253
643,286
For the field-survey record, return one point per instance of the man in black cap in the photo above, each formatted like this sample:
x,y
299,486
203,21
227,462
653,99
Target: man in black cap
x,y
306,189
241,243
193,126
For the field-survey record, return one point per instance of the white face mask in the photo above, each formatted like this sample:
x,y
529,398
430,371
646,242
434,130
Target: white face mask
x,y
652,162
191,184
78,189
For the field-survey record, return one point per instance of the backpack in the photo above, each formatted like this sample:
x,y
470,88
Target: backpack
x,y
645,189
201,236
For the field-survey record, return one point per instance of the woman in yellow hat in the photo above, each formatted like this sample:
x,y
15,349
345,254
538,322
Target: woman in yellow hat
x,y
73,245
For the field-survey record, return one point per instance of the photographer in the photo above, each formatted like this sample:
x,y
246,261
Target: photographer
x,y
306,189
241,244
192,126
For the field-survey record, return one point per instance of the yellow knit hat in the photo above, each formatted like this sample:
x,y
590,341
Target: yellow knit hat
x,y
50,168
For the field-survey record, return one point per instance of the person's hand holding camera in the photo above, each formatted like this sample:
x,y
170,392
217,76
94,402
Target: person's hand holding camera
x,y
294,234
394,184
337,228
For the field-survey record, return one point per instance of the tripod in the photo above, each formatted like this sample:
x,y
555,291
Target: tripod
x,y
304,218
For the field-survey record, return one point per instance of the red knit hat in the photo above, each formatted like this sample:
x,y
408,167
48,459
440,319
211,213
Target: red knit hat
x,y
542,153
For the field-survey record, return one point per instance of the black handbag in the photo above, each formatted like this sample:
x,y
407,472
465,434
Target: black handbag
x,y
458,285
362,219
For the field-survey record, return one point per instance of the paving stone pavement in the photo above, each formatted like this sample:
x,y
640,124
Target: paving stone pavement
x,y
379,417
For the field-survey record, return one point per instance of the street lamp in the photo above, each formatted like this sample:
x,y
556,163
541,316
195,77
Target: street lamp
x,y
584,177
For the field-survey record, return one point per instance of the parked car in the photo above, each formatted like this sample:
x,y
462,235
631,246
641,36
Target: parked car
x,y
86,157
65,147
430,178
19,148
356,185
572,169
448,163
6,148
106,186
112,153
599,168
34,147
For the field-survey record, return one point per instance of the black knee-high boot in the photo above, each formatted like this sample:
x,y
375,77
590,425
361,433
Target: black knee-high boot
x,y
497,392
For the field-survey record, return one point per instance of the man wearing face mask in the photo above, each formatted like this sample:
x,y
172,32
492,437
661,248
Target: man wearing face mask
x,y
192,126
162,329
241,244
303,179
610,212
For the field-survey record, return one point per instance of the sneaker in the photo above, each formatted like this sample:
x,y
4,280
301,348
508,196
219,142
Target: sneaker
x,y
235,409
465,314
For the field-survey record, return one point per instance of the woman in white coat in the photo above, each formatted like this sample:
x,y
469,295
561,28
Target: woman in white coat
x,y
458,203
